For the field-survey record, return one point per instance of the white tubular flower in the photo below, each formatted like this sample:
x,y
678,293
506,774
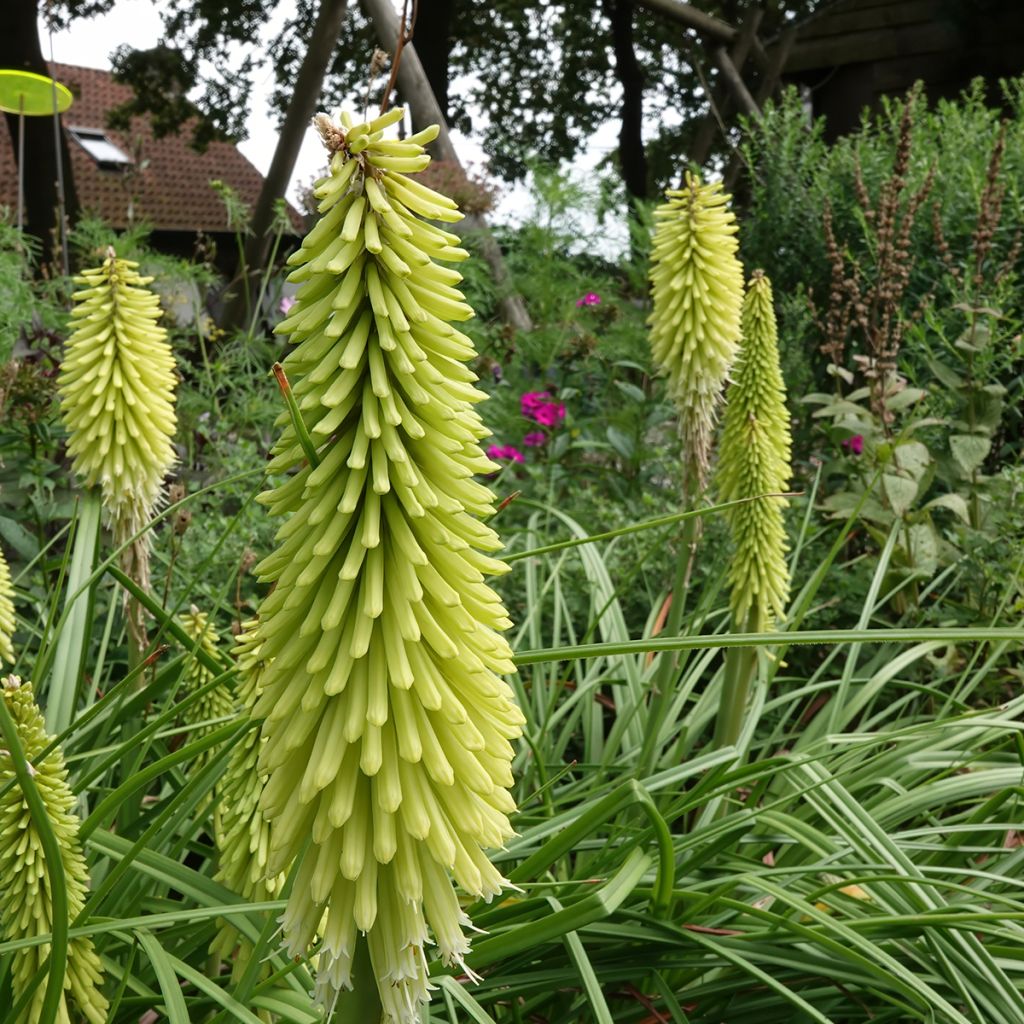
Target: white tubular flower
x,y
387,727
116,386
7,622
26,903
697,293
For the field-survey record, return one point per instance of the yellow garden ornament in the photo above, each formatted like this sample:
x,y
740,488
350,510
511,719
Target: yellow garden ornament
x,y
116,386
387,726
26,902
697,293
754,460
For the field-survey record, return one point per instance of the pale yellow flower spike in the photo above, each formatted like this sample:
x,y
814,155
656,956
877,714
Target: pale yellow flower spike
x,y
754,460
26,907
697,293
116,387
388,728
6,612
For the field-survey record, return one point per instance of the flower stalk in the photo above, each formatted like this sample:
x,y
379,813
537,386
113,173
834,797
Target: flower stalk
x,y
754,463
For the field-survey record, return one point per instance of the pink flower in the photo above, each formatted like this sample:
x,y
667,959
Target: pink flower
x,y
550,415
505,451
540,407
535,439
533,400
590,299
286,304
854,445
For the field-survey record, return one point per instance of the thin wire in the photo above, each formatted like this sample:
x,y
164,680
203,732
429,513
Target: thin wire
x,y
61,203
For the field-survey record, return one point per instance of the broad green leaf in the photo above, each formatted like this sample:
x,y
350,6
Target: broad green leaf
x,y
969,450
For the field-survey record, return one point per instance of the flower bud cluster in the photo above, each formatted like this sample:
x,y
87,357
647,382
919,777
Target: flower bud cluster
x,y
7,622
697,293
26,900
754,460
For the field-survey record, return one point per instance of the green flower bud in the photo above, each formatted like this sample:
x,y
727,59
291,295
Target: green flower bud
x,y
6,611
754,459
116,386
242,834
26,907
387,725
697,293
207,713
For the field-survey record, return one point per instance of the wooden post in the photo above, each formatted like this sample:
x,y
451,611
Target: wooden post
x,y
416,91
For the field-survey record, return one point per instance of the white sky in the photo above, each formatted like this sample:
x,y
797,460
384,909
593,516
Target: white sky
x,y
90,42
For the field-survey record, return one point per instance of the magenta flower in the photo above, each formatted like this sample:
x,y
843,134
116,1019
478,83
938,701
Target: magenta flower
x,y
590,299
535,439
854,445
540,407
505,451
533,400
286,304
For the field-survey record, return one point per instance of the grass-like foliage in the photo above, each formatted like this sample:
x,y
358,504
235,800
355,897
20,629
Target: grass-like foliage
x,y
837,840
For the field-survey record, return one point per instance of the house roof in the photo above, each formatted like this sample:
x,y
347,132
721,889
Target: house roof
x,y
171,192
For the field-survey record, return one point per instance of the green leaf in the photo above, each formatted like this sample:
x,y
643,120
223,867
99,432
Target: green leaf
x,y
954,502
174,1002
631,391
900,492
621,442
969,450
913,457
905,398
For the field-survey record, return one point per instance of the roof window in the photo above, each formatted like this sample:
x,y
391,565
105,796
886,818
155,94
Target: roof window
x,y
107,155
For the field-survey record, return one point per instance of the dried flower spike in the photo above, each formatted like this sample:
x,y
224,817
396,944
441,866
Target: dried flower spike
x,y
697,293
6,612
26,907
753,460
116,387
387,727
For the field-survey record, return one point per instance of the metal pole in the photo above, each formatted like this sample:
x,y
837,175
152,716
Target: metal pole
x,y
65,262
21,161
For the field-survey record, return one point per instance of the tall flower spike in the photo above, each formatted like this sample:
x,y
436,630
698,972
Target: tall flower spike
x,y
754,459
6,612
697,292
26,905
205,713
116,387
387,726
242,835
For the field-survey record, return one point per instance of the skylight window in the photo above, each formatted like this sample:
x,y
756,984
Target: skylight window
x,y
100,148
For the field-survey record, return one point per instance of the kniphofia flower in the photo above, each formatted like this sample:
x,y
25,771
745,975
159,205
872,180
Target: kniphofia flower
x,y
26,901
697,293
7,622
754,460
116,388
387,727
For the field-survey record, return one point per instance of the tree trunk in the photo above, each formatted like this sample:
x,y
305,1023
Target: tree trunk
x,y
632,158
434,45
301,108
424,110
20,48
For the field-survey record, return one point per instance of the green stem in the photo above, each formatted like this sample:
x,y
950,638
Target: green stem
x,y
668,664
298,423
360,1005
68,662
53,864
740,663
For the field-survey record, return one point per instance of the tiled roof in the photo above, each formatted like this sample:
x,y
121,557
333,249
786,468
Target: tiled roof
x,y
171,193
